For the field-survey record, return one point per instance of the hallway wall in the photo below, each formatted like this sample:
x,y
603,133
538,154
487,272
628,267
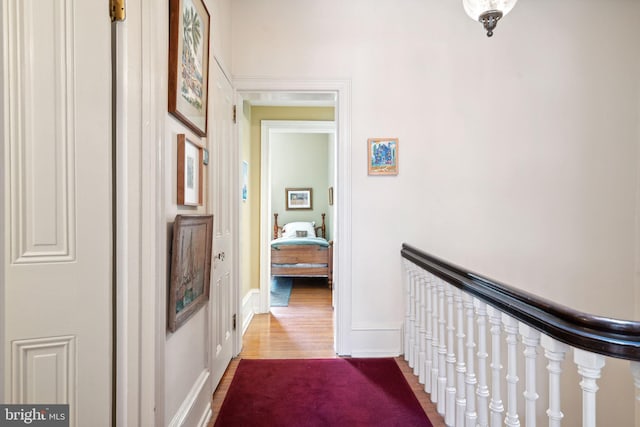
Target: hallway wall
x,y
518,154
186,355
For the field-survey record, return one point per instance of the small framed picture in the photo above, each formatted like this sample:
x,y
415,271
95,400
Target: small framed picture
x,y
383,156
298,198
245,180
189,172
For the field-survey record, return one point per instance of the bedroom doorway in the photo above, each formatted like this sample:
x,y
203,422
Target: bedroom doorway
x,y
277,93
296,157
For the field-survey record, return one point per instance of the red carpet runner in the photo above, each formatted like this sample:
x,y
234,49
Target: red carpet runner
x,y
320,392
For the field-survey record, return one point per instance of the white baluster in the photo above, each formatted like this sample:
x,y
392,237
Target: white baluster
x,y
407,309
510,326
422,330
635,371
470,378
531,340
496,407
589,366
450,406
435,344
412,320
483,387
428,364
442,351
461,368
554,352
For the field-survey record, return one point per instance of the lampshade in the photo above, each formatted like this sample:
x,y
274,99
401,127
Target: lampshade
x,y
488,12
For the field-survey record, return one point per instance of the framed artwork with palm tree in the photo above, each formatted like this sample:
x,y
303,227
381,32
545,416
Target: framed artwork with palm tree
x,y
189,63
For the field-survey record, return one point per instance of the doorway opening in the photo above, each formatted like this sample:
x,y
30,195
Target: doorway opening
x,y
297,160
255,95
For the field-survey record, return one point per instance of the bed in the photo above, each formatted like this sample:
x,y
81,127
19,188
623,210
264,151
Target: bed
x,y
300,249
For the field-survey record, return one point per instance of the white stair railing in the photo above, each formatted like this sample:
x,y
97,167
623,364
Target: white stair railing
x,y
459,326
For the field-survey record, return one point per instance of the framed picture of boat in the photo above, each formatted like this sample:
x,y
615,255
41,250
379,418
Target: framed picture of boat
x,y
190,267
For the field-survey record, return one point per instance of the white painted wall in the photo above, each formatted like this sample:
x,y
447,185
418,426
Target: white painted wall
x,y
299,160
184,354
518,154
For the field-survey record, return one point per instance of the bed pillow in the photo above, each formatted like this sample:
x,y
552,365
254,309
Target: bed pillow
x,y
289,230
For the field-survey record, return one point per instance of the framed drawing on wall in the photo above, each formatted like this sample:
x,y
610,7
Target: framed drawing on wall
x,y
190,267
189,185
298,198
245,180
189,63
383,156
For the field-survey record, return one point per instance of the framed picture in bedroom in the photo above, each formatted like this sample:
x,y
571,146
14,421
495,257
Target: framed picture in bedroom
x,y
382,156
190,267
299,198
189,63
190,180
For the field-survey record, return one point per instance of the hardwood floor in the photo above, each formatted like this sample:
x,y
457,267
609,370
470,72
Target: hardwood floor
x,y
304,329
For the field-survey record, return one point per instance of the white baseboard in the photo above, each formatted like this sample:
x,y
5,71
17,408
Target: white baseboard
x,y
250,306
376,341
197,396
206,416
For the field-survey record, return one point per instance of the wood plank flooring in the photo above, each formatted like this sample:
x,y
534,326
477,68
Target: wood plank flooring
x,y
304,329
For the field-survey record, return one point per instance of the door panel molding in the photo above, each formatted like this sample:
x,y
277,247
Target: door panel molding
x,y
44,370
42,131
57,223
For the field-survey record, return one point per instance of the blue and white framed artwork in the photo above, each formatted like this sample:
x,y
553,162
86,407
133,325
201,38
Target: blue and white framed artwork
x,y
383,156
245,180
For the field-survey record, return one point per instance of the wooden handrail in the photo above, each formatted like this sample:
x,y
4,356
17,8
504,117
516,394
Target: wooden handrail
x,y
607,336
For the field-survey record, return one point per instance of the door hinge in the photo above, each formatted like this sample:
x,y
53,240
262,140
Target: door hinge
x,y
234,114
117,10
233,320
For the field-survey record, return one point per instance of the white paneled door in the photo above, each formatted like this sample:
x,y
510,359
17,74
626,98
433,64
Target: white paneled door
x,y
57,206
223,158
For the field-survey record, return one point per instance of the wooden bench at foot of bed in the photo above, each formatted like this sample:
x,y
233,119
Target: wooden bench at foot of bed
x,y
302,260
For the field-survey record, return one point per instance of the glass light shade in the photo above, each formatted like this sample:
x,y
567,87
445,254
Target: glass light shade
x,y
475,8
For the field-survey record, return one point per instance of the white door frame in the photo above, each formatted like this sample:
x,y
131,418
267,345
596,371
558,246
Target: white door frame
x,y
268,129
140,210
342,238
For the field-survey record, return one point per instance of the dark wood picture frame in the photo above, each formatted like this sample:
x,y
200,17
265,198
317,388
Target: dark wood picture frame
x,y
190,267
189,24
299,198
190,175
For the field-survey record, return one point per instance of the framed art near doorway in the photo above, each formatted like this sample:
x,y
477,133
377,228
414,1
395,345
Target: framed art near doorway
x,y
383,156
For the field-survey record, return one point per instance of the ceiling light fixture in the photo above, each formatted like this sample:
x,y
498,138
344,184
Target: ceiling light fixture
x,y
488,12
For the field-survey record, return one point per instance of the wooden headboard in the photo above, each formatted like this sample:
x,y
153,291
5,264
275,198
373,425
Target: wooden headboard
x,y
320,230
